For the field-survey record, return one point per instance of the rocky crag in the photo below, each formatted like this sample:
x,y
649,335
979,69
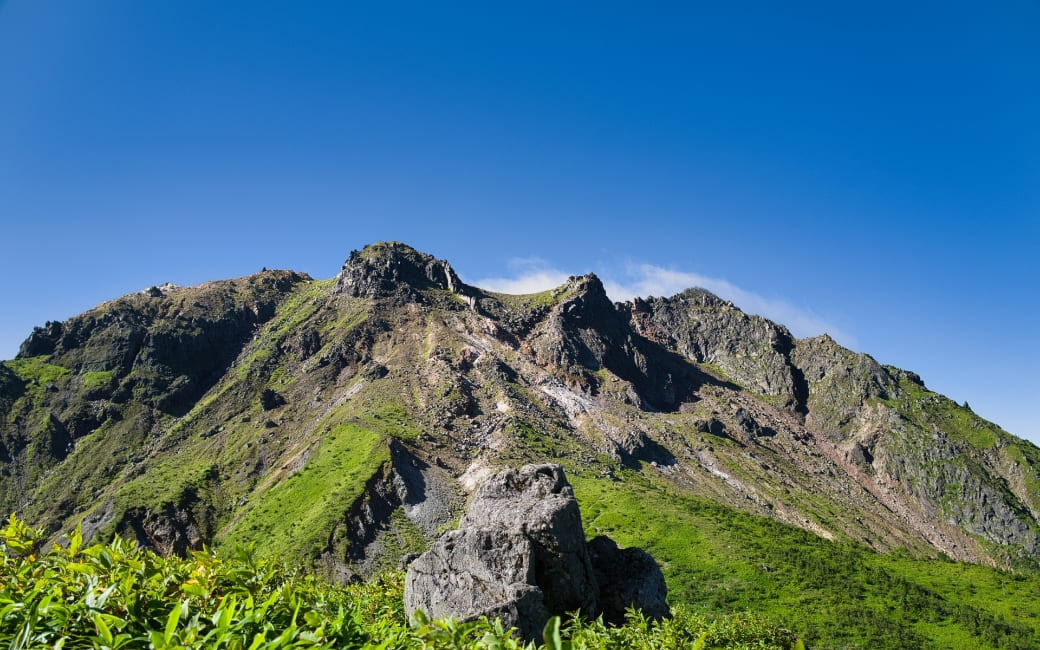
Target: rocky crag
x,y
520,555
345,421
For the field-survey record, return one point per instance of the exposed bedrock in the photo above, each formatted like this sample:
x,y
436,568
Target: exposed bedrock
x,y
520,554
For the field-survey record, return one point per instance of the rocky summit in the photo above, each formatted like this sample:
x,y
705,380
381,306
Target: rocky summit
x,y
345,423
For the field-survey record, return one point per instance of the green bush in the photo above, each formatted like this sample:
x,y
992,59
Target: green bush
x,y
118,595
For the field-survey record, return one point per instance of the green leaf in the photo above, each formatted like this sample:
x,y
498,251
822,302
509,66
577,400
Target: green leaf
x,y
419,618
75,542
551,634
102,630
258,640
98,601
78,567
171,623
222,618
701,642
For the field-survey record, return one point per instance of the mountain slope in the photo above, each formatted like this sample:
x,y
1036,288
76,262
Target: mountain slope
x,y
342,421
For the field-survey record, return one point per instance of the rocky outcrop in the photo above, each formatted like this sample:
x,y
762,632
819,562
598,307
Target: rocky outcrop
x,y
520,554
172,530
477,572
539,501
751,350
582,333
354,547
42,340
840,382
122,366
169,347
391,269
585,334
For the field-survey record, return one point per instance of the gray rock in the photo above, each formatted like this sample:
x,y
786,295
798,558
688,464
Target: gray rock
x,y
519,554
477,572
389,269
42,340
270,400
751,350
538,500
584,333
859,455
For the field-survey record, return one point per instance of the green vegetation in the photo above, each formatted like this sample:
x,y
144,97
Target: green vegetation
x,y
36,370
386,414
96,379
718,371
925,407
298,512
401,537
717,559
120,596
528,301
37,375
295,310
978,443
289,478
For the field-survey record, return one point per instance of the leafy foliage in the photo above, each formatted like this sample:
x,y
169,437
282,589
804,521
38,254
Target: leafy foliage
x,y
118,595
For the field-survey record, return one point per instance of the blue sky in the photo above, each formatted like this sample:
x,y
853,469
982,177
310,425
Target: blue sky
x,y
867,169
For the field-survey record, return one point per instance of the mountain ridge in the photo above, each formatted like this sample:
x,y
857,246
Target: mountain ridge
x,y
192,415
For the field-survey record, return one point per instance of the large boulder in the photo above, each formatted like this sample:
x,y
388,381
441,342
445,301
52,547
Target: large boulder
x,y
538,501
520,555
477,572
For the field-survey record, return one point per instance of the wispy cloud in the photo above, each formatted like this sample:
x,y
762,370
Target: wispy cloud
x,y
530,275
649,280
526,275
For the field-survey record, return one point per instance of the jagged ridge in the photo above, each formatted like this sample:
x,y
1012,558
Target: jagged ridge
x,y
265,409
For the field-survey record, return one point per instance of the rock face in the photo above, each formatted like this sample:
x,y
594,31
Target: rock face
x,y
706,329
479,572
124,365
394,269
520,554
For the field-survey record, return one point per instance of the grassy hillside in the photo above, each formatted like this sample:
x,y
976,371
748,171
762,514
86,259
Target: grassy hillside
x,y
835,595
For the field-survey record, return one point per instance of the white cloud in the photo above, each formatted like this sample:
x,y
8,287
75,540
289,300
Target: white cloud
x,y
531,275
649,280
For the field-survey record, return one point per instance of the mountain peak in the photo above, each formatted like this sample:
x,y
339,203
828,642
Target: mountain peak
x,y
391,268
586,298
589,283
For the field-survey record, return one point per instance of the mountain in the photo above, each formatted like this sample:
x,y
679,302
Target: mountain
x,y
342,423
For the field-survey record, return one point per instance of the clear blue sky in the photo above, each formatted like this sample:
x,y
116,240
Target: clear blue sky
x,y
868,168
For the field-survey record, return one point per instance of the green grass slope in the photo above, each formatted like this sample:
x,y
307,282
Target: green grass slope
x,y
835,595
